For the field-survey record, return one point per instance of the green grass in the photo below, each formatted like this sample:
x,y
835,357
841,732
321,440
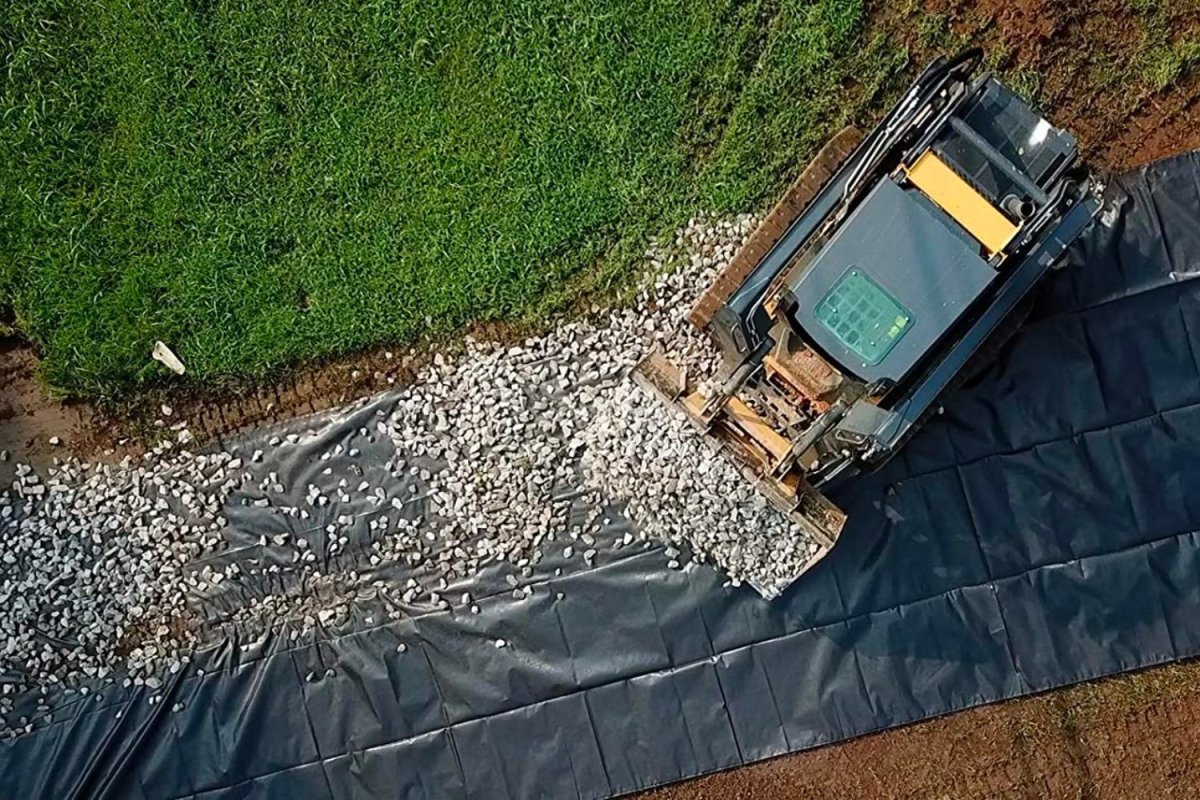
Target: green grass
x,y
259,183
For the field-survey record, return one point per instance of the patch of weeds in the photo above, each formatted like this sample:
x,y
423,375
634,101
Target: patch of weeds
x,y
1122,693
1026,82
934,33
1167,51
1166,65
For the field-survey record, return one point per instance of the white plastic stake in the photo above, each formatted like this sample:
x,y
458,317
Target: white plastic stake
x,y
163,354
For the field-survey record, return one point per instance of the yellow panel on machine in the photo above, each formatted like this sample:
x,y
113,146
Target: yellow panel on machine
x,y
959,199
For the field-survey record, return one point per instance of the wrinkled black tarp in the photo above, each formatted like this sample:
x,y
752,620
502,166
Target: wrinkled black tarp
x,y
1042,531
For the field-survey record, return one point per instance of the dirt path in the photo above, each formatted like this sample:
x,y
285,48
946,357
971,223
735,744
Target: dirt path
x,y
1126,738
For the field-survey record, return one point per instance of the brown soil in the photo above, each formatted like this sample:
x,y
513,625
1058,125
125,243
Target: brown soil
x,y
1126,738
29,418
1087,59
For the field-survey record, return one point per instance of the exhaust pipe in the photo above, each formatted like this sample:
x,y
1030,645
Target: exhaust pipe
x,y
1019,207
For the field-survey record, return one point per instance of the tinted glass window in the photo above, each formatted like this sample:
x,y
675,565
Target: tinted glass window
x,y
863,316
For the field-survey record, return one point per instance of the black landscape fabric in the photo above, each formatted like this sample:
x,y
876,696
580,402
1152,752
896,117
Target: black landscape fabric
x,y
1041,531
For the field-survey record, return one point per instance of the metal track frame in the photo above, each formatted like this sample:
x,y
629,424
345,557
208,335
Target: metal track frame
x,y
789,208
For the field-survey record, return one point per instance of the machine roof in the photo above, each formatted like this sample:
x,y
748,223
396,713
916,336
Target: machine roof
x,y
890,281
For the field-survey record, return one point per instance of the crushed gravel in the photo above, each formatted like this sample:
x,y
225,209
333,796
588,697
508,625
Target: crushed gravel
x,y
520,458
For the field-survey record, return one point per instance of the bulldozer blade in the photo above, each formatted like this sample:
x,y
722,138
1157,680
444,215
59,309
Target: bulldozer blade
x,y
817,519
658,375
811,512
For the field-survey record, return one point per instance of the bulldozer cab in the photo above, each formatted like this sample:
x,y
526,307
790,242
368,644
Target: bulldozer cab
x,y
929,240
865,292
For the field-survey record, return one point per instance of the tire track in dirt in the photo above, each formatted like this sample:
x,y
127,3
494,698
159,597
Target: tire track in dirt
x,y
1072,746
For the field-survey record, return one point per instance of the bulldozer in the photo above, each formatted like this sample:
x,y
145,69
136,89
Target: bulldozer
x,y
890,266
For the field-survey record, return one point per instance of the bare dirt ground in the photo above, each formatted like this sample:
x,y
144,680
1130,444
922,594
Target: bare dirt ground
x,y
1090,63
30,419
1126,738
1129,737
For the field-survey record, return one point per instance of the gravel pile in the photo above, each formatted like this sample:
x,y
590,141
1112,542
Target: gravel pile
x,y
512,428
508,458
679,491
93,570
